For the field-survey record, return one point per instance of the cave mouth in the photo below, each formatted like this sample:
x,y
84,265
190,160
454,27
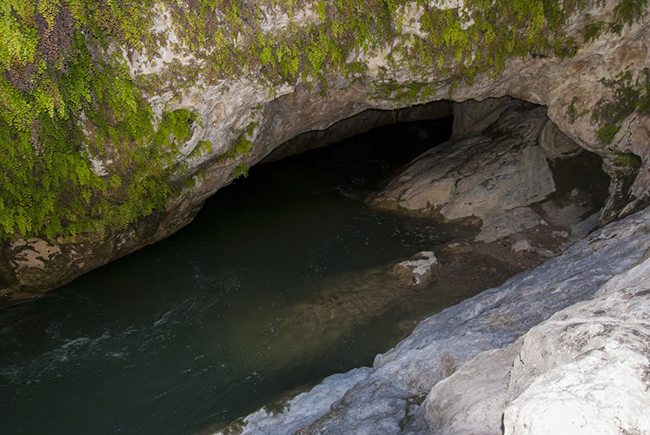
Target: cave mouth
x,y
283,278
229,312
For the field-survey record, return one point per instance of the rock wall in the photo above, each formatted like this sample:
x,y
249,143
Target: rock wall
x,y
496,167
583,371
358,124
245,109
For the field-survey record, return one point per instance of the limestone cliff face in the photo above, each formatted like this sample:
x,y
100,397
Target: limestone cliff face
x,y
247,115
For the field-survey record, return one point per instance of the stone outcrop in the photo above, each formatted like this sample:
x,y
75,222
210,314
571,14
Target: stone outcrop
x,y
557,145
586,370
417,271
499,170
501,355
583,371
482,175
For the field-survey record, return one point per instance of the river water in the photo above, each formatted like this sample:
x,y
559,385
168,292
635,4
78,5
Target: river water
x,y
228,314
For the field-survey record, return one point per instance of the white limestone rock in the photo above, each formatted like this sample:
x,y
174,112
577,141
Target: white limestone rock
x,y
581,228
372,407
587,369
416,272
477,175
583,371
302,410
471,401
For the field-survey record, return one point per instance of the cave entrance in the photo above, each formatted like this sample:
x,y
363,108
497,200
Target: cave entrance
x,y
232,310
284,277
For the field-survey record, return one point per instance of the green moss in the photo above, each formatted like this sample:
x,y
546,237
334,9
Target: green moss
x,y
241,170
317,50
235,428
572,110
607,133
243,144
407,93
51,189
630,11
275,408
630,94
64,101
203,147
629,160
593,31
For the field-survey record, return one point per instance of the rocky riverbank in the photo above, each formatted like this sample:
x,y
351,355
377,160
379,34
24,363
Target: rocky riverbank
x,y
532,195
568,335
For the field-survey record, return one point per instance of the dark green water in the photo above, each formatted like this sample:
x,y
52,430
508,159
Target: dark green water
x,y
197,330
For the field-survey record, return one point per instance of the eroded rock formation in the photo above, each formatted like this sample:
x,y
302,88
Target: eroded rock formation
x,y
561,338
470,368
483,175
580,83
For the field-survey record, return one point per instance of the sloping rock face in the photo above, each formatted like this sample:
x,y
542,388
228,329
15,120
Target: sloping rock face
x,y
583,371
250,109
482,175
593,359
522,354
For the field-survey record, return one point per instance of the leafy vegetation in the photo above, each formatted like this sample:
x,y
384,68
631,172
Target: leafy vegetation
x,y
572,110
593,30
629,160
241,170
630,11
68,99
630,94
63,105
626,12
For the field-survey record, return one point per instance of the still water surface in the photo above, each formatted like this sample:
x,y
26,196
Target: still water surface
x,y
193,331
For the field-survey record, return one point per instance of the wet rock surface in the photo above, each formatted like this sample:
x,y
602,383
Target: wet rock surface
x,y
417,271
492,330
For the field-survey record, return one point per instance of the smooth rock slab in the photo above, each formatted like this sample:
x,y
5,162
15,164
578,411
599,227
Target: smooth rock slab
x,y
508,223
472,400
481,175
587,369
302,410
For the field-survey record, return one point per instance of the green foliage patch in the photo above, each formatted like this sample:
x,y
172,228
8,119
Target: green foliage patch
x,y
629,160
62,105
626,12
66,101
630,94
630,11
241,170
